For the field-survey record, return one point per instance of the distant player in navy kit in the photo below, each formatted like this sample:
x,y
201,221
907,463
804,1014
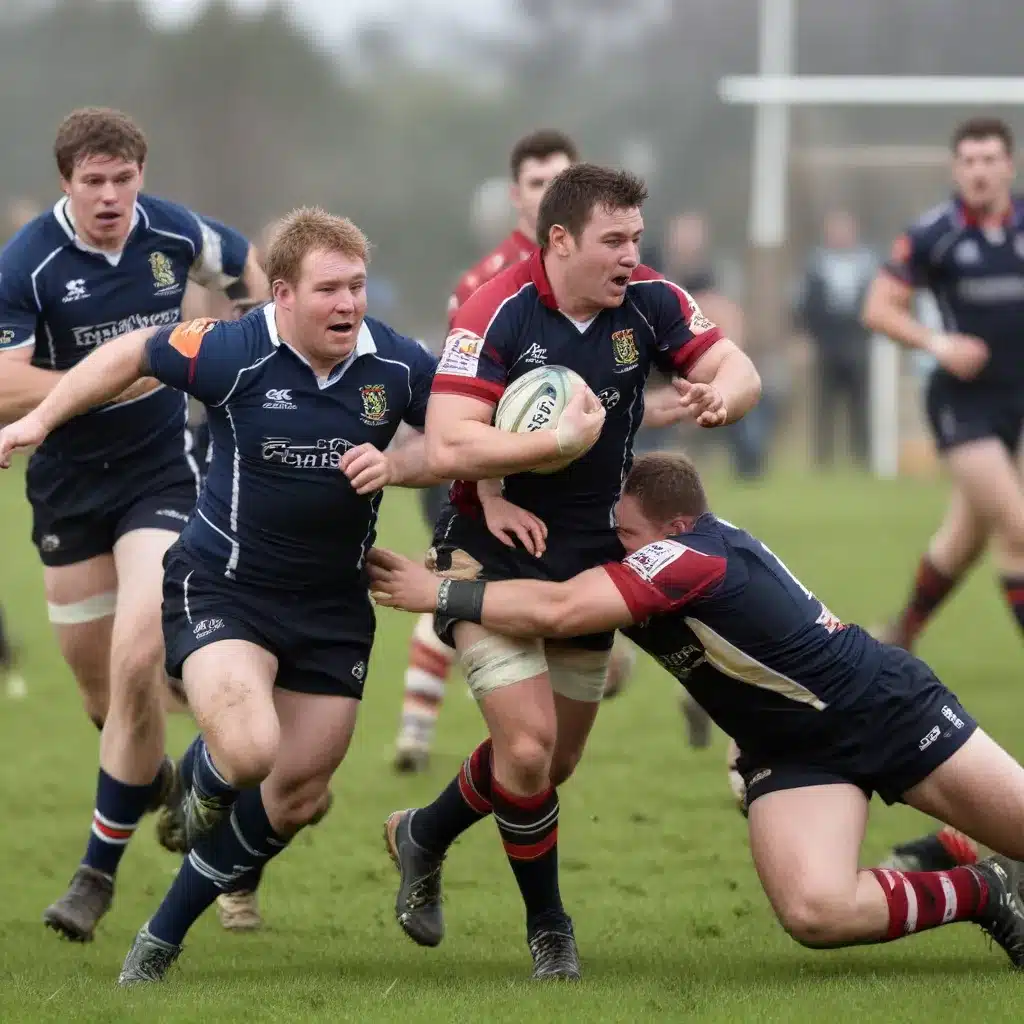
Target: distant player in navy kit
x,y
825,714
267,619
583,301
969,252
110,491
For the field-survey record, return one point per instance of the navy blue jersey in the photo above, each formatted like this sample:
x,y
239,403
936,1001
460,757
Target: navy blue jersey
x,y
275,509
512,325
63,297
753,645
977,277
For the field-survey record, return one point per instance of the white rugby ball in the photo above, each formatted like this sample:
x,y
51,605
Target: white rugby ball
x,y
535,401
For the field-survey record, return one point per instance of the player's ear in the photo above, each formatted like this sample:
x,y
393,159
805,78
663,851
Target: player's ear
x,y
678,524
559,240
282,292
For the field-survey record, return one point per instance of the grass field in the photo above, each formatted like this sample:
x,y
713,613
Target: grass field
x,y
671,922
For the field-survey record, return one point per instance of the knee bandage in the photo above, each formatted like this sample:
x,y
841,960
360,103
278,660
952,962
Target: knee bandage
x,y
90,609
576,673
498,661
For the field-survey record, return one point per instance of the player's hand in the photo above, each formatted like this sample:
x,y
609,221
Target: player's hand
x,y
27,432
509,522
702,403
368,469
580,424
962,355
399,582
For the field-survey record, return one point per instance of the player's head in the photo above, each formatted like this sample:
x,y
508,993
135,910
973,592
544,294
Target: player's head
x,y
101,155
983,162
589,227
661,497
535,160
316,265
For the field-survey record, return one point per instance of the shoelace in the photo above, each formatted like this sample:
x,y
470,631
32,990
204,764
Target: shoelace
x,y
154,962
551,950
425,890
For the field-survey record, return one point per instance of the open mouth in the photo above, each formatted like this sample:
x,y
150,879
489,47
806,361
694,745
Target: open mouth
x,y
108,216
341,329
621,280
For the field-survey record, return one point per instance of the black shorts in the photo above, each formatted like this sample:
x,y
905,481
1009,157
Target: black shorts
x,y
891,738
321,641
960,412
464,547
79,511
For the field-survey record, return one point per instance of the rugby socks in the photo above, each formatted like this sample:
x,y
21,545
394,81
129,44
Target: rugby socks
x,y
206,780
528,826
920,900
119,808
462,803
1013,587
430,661
223,861
931,588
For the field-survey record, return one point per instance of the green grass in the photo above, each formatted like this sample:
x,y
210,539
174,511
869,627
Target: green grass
x,y
671,922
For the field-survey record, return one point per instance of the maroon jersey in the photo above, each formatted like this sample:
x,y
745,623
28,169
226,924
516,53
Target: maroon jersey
x,y
514,249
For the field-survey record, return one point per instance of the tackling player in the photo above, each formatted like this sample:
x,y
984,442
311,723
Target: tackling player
x,y
825,714
969,252
110,491
583,301
266,615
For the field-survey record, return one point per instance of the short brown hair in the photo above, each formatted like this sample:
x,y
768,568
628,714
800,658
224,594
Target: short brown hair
x,y
572,195
306,230
977,128
666,486
540,145
97,131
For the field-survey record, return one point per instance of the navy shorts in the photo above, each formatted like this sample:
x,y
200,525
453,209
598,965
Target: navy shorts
x,y
465,548
322,641
79,511
961,411
891,738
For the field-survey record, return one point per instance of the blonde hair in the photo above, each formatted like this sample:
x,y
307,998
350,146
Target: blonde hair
x,y
307,230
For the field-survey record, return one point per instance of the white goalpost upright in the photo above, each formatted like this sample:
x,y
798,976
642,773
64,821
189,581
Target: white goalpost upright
x,y
774,91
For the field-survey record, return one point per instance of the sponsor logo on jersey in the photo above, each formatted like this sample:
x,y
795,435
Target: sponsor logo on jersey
x,y
375,404
650,560
461,355
97,334
75,290
163,274
279,398
609,398
6,337
624,349
535,355
324,453
682,662
187,338
926,741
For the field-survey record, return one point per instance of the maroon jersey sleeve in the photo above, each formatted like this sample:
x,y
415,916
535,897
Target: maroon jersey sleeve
x,y
484,335
909,258
664,576
682,333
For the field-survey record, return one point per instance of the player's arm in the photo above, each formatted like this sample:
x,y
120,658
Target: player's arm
x,y
227,262
888,310
727,370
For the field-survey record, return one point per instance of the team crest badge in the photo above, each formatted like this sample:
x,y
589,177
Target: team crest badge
x,y
624,348
375,403
163,274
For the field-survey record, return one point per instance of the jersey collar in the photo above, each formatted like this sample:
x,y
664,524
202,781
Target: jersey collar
x,y
365,346
62,213
539,276
968,219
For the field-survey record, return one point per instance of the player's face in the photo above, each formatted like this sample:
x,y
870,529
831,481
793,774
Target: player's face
x,y
328,304
635,530
528,189
103,190
601,263
983,171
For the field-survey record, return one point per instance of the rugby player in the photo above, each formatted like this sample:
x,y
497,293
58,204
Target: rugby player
x,y
110,491
585,302
969,252
267,619
825,714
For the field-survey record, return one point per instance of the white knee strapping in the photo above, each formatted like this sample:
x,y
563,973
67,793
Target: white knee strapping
x,y
498,661
424,633
99,606
576,673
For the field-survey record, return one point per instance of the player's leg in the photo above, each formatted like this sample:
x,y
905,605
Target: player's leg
x,y
953,549
80,600
620,666
578,678
14,683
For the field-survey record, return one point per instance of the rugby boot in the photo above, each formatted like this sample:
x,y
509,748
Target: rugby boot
x,y
553,948
148,960
76,914
418,903
239,911
1003,916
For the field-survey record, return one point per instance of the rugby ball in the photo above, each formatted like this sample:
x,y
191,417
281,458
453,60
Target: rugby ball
x,y
535,401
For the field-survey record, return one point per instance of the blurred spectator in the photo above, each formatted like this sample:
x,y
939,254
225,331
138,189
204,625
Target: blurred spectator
x,y
828,309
